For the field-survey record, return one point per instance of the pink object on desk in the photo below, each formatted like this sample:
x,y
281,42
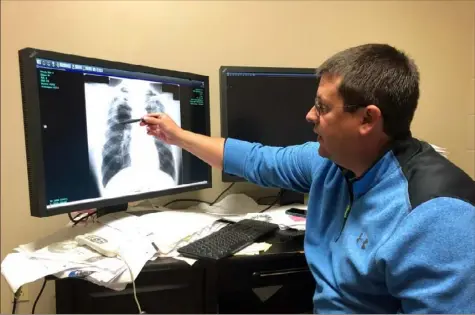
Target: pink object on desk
x,y
295,218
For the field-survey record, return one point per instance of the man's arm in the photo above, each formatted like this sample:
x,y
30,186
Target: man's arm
x,y
285,167
290,167
429,261
208,149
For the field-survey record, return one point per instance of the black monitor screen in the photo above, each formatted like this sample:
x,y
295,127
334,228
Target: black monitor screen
x,y
88,154
267,105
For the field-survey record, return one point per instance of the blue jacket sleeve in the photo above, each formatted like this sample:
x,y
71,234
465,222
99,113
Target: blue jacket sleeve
x,y
284,167
429,261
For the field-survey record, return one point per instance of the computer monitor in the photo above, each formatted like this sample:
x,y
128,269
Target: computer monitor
x,y
80,154
267,105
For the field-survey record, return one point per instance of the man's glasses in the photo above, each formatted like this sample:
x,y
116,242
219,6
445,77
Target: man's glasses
x,y
323,109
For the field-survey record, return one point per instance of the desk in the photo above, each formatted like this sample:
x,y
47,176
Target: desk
x,y
165,285
168,285
278,281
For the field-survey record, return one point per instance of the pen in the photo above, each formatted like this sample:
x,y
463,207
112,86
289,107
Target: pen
x,y
130,121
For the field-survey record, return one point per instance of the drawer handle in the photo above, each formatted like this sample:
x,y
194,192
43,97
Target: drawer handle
x,y
279,273
148,288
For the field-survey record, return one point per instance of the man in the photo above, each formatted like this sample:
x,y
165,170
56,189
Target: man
x,y
390,223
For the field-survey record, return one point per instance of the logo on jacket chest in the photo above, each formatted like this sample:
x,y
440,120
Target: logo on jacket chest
x,y
362,240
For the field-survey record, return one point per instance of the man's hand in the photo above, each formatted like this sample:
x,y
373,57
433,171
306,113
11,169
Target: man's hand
x,y
163,127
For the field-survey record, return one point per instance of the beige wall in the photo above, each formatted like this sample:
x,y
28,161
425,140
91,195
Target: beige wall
x,y
200,36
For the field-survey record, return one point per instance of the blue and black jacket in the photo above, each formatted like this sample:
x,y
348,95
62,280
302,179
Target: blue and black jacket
x,y
401,238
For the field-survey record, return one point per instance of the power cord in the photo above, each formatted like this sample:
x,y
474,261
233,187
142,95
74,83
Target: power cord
x,y
15,301
75,220
265,197
103,250
274,202
222,193
44,285
71,217
38,296
185,200
133,284
16,296
198,200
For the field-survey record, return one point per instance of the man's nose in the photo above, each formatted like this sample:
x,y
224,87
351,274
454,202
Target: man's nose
x,y
312,116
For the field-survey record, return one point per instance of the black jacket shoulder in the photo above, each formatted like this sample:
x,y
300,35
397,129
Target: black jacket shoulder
x,y
430,175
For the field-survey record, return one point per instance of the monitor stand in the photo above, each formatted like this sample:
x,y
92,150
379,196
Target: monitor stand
x,y
111,209
288,197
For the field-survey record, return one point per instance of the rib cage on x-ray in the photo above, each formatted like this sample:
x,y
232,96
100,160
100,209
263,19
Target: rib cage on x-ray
x,y
116,154
165,155
116,150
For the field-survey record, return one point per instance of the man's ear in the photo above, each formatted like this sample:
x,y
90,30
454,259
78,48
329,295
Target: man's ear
x,y
371,118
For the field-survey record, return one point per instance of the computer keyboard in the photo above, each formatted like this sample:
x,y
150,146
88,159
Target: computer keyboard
x,y
229,240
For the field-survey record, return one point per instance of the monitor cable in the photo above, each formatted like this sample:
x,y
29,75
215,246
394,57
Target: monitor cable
x,y
259,200
281,192
44,285
222,193
71,217
15,302
16,297
185,200
38,296
77,220
139,307
198,200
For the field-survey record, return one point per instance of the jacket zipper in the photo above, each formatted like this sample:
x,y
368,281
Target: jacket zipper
x,y
347,210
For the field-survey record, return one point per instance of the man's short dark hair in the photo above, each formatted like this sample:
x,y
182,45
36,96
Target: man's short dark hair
x,y
381,75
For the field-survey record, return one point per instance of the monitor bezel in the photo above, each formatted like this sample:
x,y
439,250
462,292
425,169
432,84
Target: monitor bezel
x,y
223,71
33,138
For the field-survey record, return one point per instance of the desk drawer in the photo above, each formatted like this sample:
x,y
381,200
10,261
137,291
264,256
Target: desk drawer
x,y
266,284
158,291
263,270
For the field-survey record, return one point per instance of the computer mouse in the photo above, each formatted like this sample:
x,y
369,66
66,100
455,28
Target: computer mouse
x,y
290,234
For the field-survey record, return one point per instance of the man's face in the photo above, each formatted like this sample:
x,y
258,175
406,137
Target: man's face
x,y
337,130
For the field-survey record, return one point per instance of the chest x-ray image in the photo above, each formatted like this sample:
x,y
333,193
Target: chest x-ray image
x,y
124,159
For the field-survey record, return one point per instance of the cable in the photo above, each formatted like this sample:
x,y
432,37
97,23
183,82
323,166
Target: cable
x,y
119,256
38,297
86,217
270,206
199,200
150,202
133,284
265,197
191,200
274,202
71,217
222,193
15,299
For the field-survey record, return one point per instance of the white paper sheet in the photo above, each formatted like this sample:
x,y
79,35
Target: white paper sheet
x,y
276,216
172,228
139,236
254,249
59,254
19,269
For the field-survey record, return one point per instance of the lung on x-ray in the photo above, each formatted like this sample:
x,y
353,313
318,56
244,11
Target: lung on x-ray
x,y
123,158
